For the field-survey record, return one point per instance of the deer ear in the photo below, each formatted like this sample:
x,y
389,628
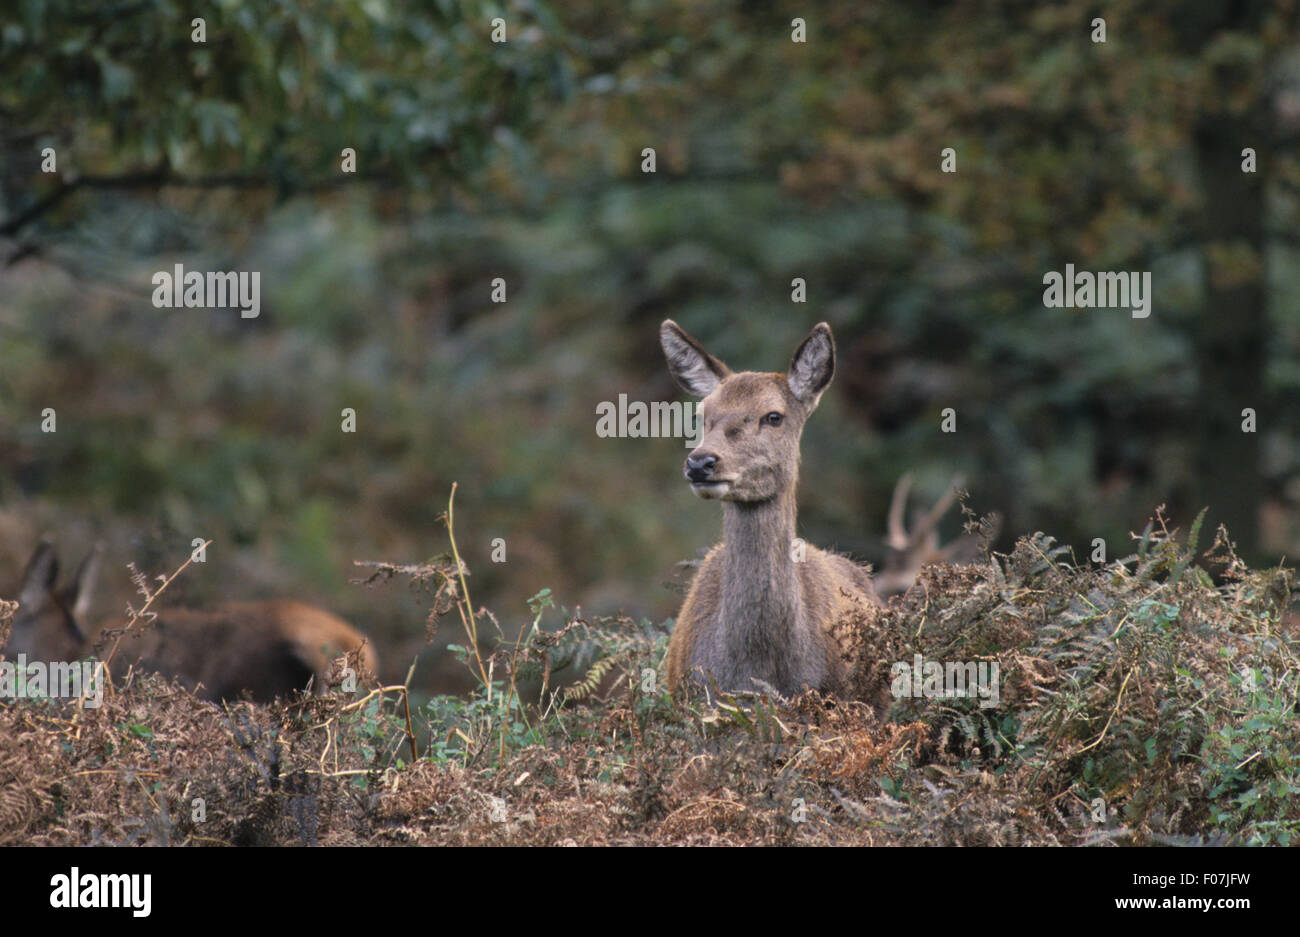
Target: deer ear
x,y
81,591
813,365
38,578
695,370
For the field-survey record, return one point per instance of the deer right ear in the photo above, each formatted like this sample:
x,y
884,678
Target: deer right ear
x,y
695,370
813,366
38,578
80,592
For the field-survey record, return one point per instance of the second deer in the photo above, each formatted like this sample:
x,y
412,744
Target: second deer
x,y
263,649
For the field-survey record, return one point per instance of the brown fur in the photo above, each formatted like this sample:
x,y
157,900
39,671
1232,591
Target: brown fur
x,y
266,649
753,611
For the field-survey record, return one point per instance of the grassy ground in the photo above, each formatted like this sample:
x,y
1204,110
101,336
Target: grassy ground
x,y
1139,701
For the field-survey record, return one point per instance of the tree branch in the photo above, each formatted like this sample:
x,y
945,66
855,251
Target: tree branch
x,y
163,177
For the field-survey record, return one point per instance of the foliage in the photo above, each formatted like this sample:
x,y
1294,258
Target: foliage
x,y
270,97
520,160
1139,685
1140,703
495,719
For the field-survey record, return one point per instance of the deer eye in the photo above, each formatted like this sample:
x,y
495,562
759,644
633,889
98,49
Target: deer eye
x,y
773,419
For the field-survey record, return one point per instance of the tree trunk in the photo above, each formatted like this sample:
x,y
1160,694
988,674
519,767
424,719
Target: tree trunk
x,y
1231,334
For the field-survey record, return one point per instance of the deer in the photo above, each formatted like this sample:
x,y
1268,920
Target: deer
x,y
265,649
912,550
762,611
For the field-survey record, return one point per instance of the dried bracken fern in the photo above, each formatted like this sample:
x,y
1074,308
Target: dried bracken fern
x,y
595,676
1138,685
1139,702
7,612
23,797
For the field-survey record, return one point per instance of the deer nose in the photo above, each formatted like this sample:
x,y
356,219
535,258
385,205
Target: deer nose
x,y
700,467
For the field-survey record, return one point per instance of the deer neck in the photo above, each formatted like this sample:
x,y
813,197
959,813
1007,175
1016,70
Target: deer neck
x,y
761,596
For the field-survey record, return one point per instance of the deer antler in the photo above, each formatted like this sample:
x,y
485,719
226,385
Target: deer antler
x,y
930,521
897,538
911,550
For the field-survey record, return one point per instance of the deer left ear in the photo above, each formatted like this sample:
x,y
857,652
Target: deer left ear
x,y
38,578
813,366
695,370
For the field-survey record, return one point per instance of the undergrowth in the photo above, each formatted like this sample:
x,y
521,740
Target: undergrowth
x,y
1148,700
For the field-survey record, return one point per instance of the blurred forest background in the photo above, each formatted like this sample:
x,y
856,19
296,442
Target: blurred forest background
x,y
522,160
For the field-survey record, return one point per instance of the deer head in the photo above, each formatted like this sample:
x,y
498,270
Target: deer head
x,y
48,625
752,421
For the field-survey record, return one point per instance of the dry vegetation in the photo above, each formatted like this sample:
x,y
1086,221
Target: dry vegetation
x,y
1142,685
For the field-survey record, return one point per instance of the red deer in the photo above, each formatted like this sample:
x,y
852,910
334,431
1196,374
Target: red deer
x,y
762,610
910,550
267,649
